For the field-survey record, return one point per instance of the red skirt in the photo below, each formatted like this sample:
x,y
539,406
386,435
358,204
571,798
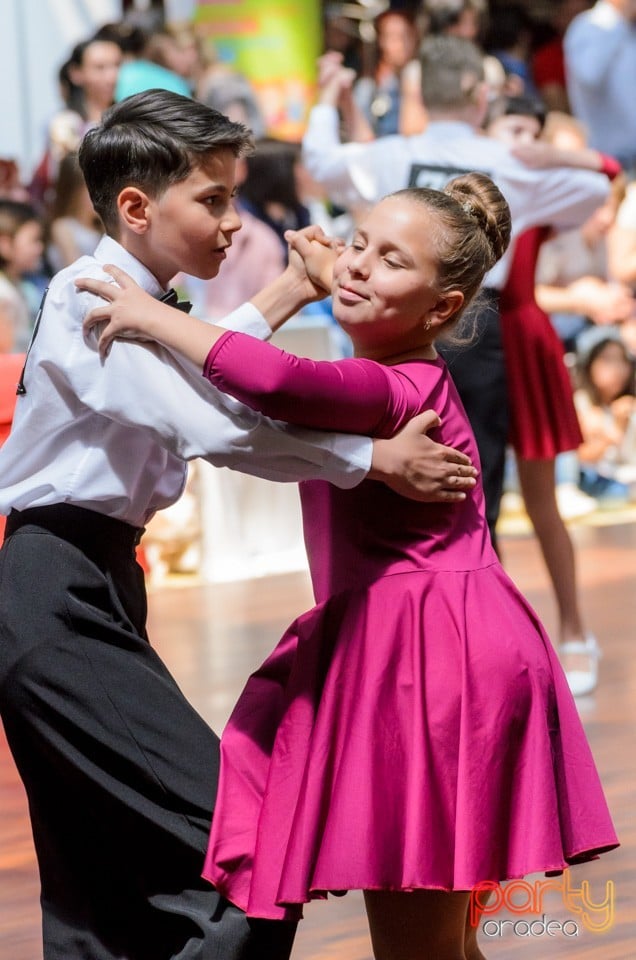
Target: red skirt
x,y
543,420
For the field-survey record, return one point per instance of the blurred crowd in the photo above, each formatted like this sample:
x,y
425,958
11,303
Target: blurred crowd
x,y
578,62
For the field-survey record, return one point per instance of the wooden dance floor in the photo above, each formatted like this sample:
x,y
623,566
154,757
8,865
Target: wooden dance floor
x,y
212,636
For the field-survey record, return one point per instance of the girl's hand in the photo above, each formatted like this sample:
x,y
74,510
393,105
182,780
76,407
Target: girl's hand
x,y
129,312
623,410
314,253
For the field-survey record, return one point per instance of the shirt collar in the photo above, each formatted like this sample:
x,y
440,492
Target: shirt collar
x,y
109,251
448,129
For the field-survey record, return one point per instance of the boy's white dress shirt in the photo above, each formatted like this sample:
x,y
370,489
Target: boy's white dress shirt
x,y
113,435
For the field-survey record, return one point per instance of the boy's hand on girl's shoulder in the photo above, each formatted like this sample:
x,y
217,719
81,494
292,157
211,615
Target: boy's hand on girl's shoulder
x,y
124,311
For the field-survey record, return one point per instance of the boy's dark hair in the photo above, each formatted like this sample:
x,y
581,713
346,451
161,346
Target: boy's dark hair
x,y
13,215
152,140
519,106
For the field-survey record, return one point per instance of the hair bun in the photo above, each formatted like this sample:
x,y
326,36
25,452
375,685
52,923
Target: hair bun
x,y
483,202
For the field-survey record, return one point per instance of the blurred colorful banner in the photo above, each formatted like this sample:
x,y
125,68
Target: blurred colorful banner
x,y
275,45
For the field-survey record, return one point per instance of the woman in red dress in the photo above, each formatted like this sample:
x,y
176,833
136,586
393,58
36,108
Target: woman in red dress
x,y
543,419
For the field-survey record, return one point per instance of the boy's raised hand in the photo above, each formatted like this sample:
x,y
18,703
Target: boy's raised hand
x,y
313,254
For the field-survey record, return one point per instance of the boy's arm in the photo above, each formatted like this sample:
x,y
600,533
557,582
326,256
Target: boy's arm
x,y
152,389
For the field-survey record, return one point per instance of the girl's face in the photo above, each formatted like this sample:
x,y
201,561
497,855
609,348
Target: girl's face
x,y
384,289
610,371
515,129
397,40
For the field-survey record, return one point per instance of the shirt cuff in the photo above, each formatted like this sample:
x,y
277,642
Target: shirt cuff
x,y
247,319
351,461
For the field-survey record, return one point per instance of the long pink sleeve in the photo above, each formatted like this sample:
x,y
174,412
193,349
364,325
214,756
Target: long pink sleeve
x,y
352,395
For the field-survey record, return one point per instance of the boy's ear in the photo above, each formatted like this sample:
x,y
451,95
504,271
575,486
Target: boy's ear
x,y
446,308
134,209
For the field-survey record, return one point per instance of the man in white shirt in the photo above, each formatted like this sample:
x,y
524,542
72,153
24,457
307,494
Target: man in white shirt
x,y
455,96
120,771
600,64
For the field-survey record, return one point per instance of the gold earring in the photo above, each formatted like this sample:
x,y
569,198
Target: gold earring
x,y
427,325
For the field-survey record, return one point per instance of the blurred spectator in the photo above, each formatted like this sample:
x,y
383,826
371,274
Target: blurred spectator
x,y
334,220
456,18
227,90
341,34
87,82
156,66
548,61
600,58
270,189
606,405
509,38
73,229
92,71
129,37
574,282
465,19
21,250
185,56
379,95
11,186
621,251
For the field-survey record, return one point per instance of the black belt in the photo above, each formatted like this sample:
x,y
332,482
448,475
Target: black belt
x,y
95,534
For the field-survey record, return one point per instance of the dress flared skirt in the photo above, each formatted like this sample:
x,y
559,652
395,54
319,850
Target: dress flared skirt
x,y
391,741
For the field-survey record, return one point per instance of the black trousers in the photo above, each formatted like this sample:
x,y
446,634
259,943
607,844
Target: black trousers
x,y
119,769
479,373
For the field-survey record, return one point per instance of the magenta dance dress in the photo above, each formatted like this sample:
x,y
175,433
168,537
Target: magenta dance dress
x,y
414,729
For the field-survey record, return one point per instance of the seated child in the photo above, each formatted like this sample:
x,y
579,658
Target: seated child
x,y
606,405
21,250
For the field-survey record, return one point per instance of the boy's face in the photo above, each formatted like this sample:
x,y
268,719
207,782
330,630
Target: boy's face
x,y
515,129
190,226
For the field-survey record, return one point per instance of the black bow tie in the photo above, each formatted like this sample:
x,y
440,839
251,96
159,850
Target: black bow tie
x,y
172,300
